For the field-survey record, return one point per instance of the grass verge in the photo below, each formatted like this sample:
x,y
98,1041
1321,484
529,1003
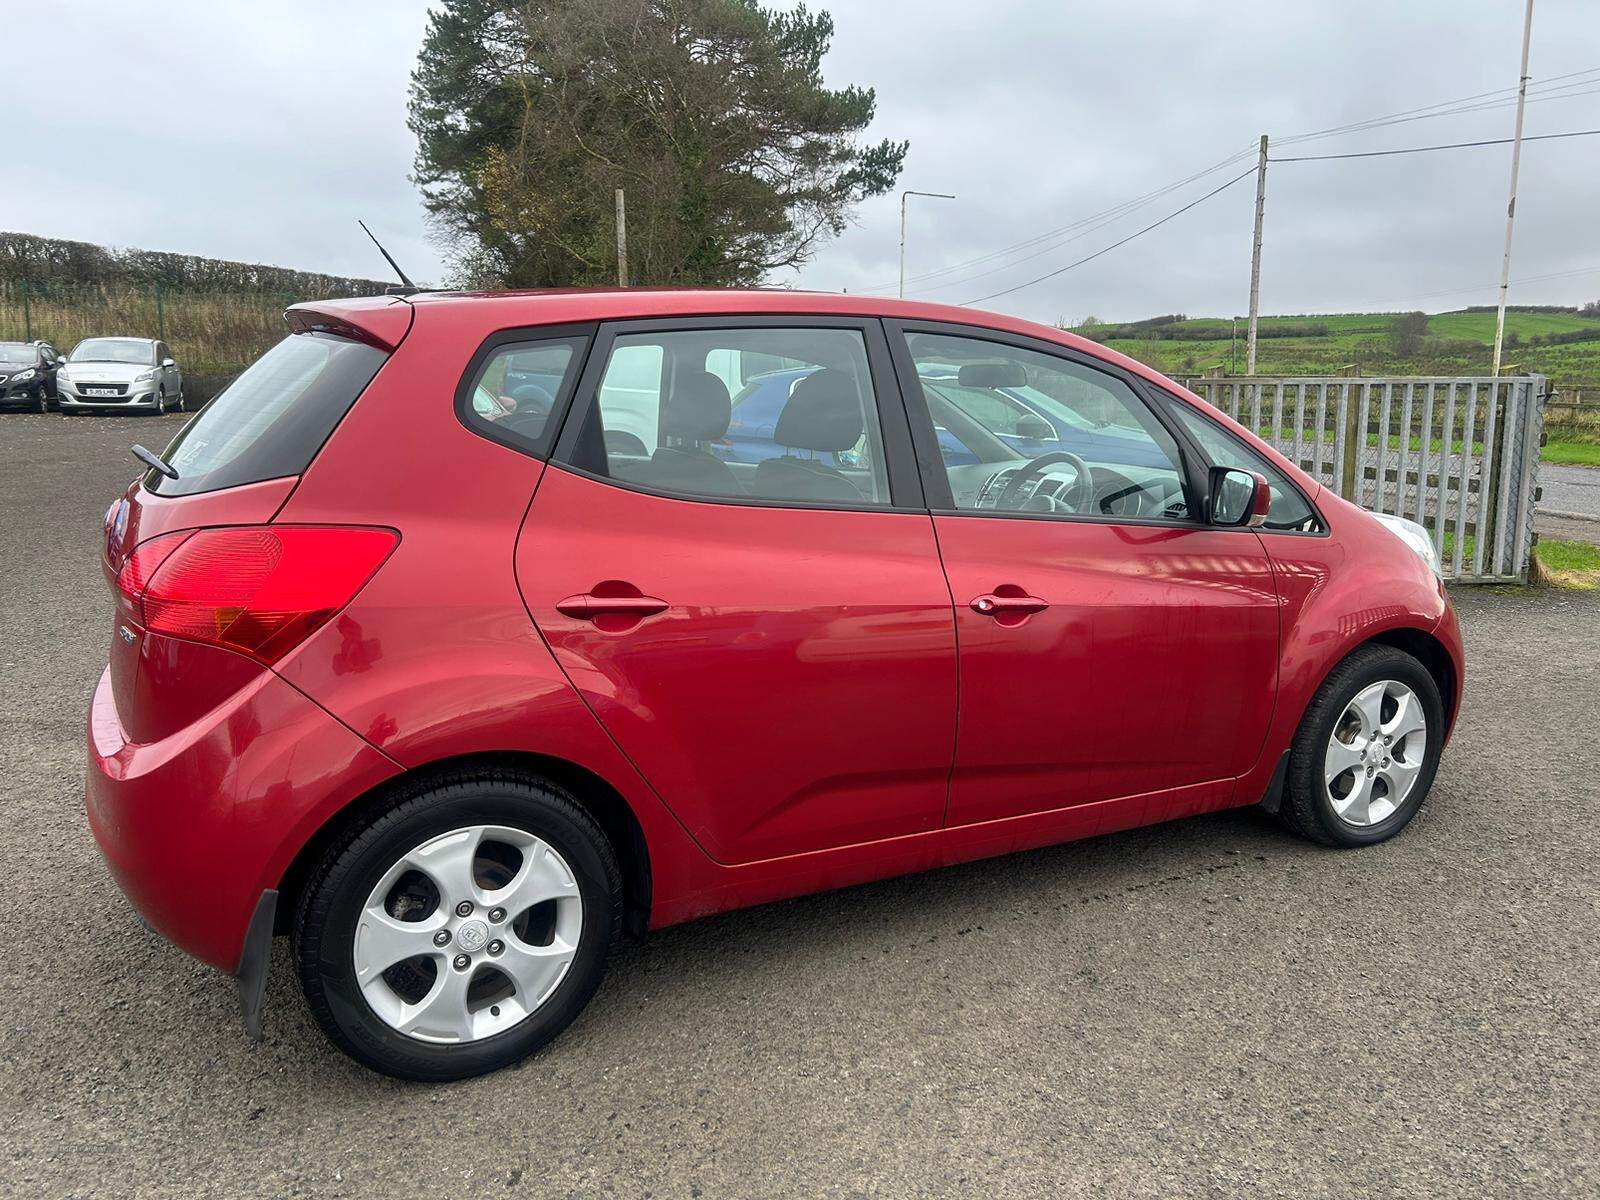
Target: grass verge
x,y
1568,564
1573,454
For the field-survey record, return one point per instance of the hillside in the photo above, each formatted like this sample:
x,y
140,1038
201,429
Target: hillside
x,y
1561,343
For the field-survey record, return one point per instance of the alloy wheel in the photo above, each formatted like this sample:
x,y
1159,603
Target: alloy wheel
x,y
467,934
1375,753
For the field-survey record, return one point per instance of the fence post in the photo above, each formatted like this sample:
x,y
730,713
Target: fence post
x,y
161,317
27,314
1351,464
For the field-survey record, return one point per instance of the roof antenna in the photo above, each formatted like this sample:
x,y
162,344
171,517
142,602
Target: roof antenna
x,y
405,287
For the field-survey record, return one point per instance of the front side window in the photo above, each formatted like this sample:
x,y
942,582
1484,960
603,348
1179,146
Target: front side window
x,y
1290,510
758,414
1024,431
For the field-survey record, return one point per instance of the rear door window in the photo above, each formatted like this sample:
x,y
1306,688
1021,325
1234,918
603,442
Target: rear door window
x,y
271,420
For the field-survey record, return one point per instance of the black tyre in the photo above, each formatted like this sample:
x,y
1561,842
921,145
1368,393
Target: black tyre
x,y
1366,751
41,402
437,881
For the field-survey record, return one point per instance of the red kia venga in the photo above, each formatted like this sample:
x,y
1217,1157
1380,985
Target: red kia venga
x,y
458,636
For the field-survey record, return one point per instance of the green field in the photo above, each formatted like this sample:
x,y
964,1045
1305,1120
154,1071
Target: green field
x,y
1455,343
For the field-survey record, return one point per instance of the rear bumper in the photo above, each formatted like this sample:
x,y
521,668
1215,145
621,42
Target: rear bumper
x,y
196,826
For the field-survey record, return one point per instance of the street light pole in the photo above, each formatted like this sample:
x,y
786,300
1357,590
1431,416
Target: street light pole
x,y
903,195
1511,205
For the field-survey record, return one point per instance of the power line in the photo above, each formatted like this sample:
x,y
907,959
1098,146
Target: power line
x,y
1140,233
1489,287
1499,98
1558,87
1116,210
1543,137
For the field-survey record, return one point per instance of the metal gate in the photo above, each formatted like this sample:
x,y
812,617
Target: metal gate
x,y
1460,454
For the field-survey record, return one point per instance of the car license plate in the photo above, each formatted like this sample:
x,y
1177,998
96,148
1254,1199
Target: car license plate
x,y
99,391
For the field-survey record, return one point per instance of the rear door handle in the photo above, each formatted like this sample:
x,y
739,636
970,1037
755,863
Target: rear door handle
x,y
589,606
991,605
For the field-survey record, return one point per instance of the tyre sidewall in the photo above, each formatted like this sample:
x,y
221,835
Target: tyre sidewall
x,y
338,902
1401,667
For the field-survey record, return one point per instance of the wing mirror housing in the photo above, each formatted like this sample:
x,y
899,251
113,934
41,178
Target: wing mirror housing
x,y
1239,498
167,362
1035,429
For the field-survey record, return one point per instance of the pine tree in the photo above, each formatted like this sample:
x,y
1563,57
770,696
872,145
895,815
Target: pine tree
x,y
712,115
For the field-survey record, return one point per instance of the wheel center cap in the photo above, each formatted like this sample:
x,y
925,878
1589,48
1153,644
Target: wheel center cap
x,y
472,936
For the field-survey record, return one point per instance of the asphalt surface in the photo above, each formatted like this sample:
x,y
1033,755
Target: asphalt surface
x,y
1570,489
1205,1008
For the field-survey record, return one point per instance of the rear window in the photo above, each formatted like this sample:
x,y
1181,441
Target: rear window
x,y
272,420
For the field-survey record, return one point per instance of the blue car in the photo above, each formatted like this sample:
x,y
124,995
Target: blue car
x,y
1027,421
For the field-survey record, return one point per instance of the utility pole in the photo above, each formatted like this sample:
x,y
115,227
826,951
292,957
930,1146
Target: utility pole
x,y
903,195
622,241
1511,205
1255,259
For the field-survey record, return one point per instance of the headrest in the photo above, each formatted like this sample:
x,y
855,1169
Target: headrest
x,y
698,409
823,413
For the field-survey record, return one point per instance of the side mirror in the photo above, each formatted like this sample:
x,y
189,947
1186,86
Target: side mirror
x,y
1035,429
167,362
1239,497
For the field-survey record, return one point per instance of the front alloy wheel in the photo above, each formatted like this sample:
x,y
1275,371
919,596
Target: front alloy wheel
x,y
1375,753
458,926
1366,751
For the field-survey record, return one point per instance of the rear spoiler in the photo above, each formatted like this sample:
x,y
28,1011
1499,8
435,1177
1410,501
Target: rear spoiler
x,y
380,321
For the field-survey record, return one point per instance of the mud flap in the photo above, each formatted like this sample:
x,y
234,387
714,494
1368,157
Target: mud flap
x,y
253,961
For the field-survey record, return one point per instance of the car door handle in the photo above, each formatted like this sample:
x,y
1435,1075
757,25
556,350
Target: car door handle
x,y
588,606
991,605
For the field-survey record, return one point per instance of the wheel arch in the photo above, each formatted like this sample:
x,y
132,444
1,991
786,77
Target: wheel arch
x,y
1431,653
598,797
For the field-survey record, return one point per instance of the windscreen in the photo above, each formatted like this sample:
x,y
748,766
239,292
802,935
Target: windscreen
x,y
134,351
271,420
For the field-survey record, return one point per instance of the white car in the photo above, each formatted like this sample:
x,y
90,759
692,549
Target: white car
x,y
127,373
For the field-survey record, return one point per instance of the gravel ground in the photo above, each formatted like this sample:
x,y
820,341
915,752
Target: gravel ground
x,y
1205,1008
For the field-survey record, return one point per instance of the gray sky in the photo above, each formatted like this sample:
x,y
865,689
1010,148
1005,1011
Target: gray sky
x,y
261,132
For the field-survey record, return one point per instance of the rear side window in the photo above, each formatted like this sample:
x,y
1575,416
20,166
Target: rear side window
x,y
271,420
513,395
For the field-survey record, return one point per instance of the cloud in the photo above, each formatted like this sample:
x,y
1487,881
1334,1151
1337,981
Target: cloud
x,y
262,133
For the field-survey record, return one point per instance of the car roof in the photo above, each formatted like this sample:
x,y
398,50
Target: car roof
x,y
480,313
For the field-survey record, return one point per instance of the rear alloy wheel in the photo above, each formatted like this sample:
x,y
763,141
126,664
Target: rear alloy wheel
x,y
461,929
1367,749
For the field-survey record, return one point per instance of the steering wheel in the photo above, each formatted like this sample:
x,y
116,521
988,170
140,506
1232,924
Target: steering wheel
x,y
533,409
532,396
1078,495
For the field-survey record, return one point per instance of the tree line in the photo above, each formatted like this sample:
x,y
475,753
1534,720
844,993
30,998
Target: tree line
x,y
52,263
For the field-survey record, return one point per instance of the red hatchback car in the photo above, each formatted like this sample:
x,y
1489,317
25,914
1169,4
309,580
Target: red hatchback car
x,y
456,637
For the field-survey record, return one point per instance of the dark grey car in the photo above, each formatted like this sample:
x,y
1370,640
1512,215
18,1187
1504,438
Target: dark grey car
x,y
28,374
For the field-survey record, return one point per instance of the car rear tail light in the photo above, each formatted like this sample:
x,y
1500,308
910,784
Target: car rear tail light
x,y
142,563
259,590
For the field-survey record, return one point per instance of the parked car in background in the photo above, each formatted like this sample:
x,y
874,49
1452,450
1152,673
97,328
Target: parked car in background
x,y
28,374
120,373
1000,400
453,686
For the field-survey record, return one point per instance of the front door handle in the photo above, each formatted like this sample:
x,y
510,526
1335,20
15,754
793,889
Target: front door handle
x,y
589,606
991,604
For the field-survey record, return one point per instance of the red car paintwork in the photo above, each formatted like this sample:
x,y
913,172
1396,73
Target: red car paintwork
x,y
790,721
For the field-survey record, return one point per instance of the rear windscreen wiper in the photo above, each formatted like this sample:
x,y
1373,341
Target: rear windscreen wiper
x,y
151,459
